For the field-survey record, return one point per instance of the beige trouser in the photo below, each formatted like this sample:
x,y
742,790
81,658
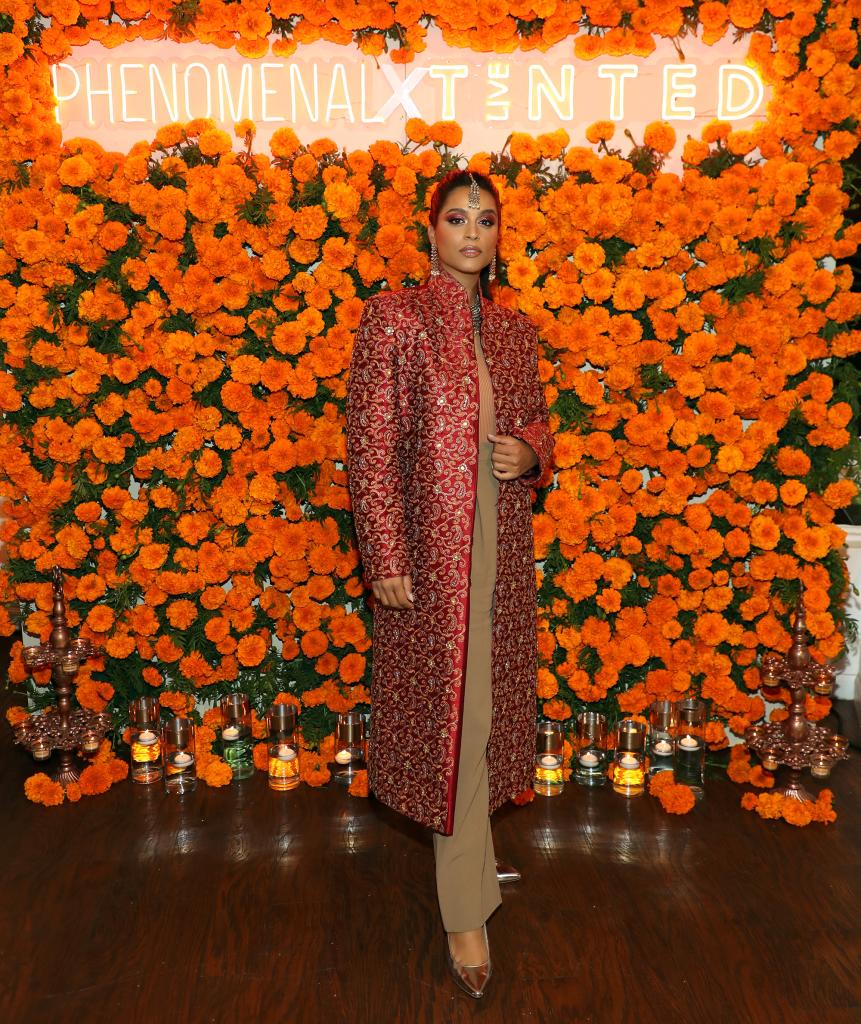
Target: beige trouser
x,y
467,886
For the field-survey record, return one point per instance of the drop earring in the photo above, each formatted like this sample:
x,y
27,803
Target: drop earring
x,y
434,260
492,275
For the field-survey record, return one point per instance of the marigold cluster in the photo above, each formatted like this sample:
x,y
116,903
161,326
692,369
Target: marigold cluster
x,y
795,812
176,325
399,28
675,797
102,771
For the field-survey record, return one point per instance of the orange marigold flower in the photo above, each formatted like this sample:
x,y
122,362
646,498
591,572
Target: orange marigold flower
x,y
812,543
764,532
600,131
76,171
16,714
446,133
42,790
284,143
677,799
95,778
660,136
214,142
557,709
251,650
216,772
261,756
792,462
359,785
761,778
524,148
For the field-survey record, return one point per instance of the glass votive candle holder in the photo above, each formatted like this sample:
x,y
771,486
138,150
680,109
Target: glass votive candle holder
x,y
590,748
628,770
41,749
236,734
349,746
283,753
821,765
770,757
178,751
662,725
753,736
824,683
689,749
549,757
90,742
839,745
366,717
144,716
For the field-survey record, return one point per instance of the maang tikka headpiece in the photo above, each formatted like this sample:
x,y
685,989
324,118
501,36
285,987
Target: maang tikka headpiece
x,y
474,200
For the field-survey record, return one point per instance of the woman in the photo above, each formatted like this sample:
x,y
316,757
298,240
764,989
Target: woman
x,y
446,431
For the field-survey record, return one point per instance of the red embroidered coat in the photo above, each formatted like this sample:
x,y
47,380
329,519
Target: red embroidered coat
x,y
412,444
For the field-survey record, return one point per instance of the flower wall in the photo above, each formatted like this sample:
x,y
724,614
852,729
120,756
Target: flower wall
x,y
176,326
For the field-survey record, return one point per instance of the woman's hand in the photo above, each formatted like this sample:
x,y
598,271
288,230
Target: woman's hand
x,y
511,457
395,592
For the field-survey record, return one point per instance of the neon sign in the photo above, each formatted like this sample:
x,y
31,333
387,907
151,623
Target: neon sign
x,y
119,96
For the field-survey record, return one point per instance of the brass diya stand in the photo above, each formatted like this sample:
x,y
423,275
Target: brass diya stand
x,y
797,742
64,728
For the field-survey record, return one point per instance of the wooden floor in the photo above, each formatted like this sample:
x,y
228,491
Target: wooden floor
x,y
316,907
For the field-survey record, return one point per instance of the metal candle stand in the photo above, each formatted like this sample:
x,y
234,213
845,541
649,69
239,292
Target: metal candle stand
x,y
63,728
796,742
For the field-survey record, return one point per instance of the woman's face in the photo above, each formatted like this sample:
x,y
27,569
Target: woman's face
x,y
465,239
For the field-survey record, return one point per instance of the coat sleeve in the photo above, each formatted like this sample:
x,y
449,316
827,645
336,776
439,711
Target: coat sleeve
x,y
376,488
535,431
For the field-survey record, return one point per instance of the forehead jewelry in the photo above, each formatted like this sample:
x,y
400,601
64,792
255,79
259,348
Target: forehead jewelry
x,y
474,200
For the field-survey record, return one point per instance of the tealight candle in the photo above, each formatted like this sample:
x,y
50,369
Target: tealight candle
x,y
230,732
689,742
629,761
589,759
90,743
286,752
41,750
144,742
178,752
663,747
548,777
343,756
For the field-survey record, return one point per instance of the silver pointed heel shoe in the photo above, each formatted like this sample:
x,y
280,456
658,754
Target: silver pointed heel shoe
x,y
506,873
473,980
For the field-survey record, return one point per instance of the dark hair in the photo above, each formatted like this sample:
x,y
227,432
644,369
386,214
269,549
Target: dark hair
x,y
463,179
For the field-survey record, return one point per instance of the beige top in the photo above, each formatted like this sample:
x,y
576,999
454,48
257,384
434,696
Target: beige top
x,y
486,413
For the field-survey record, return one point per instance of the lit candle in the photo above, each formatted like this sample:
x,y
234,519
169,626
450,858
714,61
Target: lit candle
x,y
182,758
146,737
343,756
41,750
663,747
589,759
286,752
230,732
689,742
629,761
770,759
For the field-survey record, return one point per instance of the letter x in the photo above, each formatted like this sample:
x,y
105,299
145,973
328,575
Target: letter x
x,y
400,92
